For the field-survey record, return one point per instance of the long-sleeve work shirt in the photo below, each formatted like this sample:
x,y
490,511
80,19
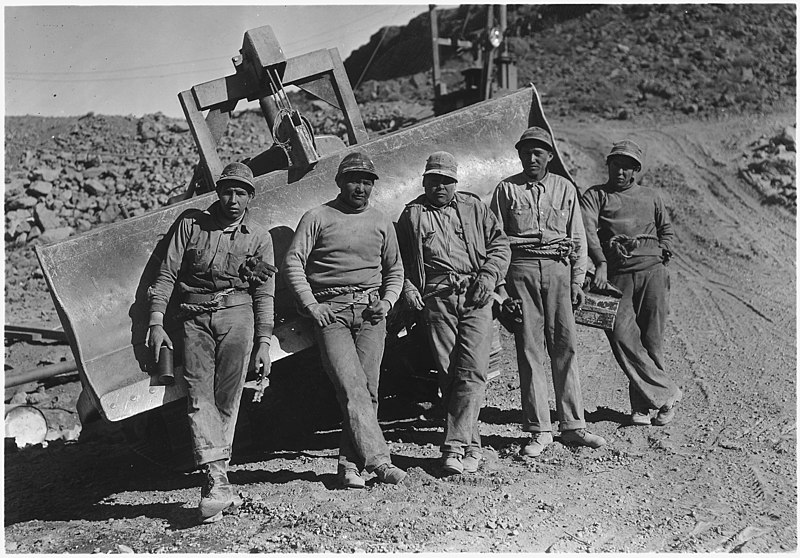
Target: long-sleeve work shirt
x,y
337,246
544,211
204,257
632,211
470,224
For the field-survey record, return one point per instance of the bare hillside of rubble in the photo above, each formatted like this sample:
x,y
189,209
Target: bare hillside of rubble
x,y
720,478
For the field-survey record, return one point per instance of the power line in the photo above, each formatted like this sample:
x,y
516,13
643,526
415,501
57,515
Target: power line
x,y
121,78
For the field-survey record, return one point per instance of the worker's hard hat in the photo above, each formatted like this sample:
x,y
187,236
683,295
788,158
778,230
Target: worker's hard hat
x,y
238,172
626,148
442,163
535,133
356,162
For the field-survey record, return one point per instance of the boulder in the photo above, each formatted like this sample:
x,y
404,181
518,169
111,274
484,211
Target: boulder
x,y
95,187
22,202
45,218
40,188
46,174
55,235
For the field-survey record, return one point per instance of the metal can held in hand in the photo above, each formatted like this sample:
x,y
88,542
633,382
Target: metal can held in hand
x,y
166,376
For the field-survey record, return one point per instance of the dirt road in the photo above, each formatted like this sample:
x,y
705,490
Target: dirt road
x,y
721,477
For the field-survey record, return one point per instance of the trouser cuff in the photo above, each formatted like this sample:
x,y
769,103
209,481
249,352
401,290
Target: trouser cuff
x,y
571,425
207,455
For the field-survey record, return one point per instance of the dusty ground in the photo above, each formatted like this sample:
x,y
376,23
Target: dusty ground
x,y
721,477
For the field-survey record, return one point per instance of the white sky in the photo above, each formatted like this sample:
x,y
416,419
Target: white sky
x,y
69,60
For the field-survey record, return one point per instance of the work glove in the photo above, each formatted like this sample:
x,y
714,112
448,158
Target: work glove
x,y
508,313
666,256
480,292
256,271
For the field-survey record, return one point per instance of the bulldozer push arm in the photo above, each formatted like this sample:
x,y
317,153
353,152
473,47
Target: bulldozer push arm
x,y
98,280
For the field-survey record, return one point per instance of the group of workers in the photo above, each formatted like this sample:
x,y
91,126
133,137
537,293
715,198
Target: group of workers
x,y
451,257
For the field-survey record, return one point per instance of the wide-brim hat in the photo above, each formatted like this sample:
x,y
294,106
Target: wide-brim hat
x,y
357,162
537,134
443,163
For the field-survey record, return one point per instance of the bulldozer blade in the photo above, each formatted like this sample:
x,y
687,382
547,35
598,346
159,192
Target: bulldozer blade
x,y
99,279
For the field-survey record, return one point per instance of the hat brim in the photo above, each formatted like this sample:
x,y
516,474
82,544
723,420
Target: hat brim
x,y
238,179
626,155
448,174
364,171
546,144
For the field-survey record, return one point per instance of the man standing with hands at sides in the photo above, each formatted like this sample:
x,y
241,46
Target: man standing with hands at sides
x,y
540,214
344,268
454,254
629,235
221,259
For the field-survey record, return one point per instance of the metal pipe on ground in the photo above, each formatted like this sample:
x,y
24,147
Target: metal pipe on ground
x,y
40,373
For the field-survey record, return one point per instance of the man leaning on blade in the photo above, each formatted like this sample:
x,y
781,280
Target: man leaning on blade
x,y
344,268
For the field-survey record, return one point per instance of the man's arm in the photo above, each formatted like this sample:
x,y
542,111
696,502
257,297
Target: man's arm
x,y
264,294
391,266
161,289
663,224
590,212
408,254
578,235
498,250
498,205
294,263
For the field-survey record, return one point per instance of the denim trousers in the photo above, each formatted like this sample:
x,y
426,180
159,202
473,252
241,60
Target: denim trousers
x,y
637,339
351,350
543,286
217,347
460,338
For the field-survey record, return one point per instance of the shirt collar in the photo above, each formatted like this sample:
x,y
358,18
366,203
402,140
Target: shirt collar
x,y
241,225
428,206
531,182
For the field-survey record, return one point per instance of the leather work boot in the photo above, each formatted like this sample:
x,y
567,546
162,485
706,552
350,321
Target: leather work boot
x,y
582,438
350,477
471,462
451,464
665,414
217,495
640,419
537,443
390,474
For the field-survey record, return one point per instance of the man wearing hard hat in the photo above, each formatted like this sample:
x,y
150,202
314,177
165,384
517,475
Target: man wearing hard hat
x,y
221,260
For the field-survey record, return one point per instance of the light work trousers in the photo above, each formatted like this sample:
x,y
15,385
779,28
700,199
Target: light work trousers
x,y
351,350
638,337
217,347
460,338
543,286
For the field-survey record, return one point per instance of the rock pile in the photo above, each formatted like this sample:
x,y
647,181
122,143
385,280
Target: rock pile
x,y
769,167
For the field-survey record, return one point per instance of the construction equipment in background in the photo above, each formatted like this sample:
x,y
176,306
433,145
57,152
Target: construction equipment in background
x,y
98,280
493,71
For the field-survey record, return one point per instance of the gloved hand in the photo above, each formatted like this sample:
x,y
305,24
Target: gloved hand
x,y
666,256
322,314
256,271
480,292
577,296
412,298
376,311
